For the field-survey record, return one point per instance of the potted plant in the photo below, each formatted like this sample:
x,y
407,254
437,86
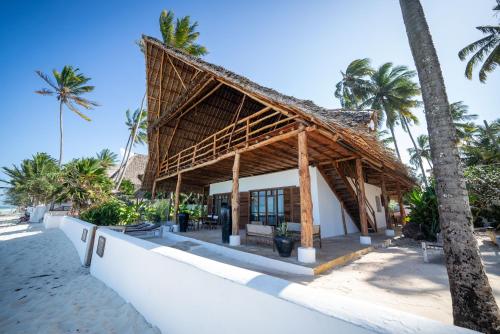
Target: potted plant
x,y
283,241
183,218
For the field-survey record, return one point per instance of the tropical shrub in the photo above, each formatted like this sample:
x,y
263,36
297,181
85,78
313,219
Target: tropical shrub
x,y
112,212
107,213
85,183
483,184
424,211
157,210
129,214
127,187
33,182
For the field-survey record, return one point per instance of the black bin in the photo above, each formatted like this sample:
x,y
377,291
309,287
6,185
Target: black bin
x,y
225,216
182,220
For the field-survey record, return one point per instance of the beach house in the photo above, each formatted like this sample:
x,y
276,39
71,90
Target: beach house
x,y
271,158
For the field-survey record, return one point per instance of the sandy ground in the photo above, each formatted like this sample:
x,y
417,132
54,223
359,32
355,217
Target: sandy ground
x,y
43,288
398,278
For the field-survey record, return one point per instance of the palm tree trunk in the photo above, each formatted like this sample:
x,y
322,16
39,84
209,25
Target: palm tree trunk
x,y
133,136
424,177
119,170
60,133
395,143
473,302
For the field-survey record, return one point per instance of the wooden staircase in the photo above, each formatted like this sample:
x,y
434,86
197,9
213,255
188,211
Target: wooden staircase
x,y
347,195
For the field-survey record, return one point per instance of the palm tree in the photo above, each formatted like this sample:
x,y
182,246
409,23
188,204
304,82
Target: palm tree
x,y
488,47
68,87
391,92
407,117
137,124
423,150
182,35
107,158
354,86
385,138
463,121
84,182
473,302
484,146
32,182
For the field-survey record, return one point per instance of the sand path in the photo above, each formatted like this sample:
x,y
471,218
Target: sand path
x,y
398,278
43,288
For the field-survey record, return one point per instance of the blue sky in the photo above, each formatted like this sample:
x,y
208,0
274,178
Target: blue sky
x,y
296,47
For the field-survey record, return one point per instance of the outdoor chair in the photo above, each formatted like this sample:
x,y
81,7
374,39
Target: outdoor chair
x,y
210,222
150,230
262,233
135,227
295,228
432,245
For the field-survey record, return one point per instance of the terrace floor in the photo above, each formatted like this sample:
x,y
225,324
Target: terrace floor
x,y
335,251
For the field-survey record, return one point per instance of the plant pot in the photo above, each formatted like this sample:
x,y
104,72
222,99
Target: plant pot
x,y
284,245
182,220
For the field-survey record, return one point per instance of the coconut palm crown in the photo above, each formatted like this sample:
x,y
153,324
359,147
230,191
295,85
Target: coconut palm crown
x,y
68,87
487,47
182,34
353,89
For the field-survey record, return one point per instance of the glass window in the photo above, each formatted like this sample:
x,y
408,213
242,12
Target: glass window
x,y
267,206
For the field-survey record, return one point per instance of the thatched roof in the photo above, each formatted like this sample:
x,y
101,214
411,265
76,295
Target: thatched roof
x,y
134,169
166,94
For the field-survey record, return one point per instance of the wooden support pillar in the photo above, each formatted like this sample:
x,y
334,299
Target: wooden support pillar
x,y
402,213
306,217
361,198
235,196
153,191
176,198
385,203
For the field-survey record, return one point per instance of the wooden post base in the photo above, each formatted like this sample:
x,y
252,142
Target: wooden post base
x,y
306,254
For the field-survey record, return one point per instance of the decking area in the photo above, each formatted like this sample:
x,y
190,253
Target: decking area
x,y
335,251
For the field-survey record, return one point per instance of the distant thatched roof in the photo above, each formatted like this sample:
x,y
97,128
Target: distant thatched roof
x,y
134,170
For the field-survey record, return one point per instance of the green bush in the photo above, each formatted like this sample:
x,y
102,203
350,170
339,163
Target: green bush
x,y
113,212
105,214
157,211
424,211
127,187
483,184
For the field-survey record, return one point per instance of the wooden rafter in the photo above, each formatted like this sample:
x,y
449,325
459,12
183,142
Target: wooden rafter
x,y
175,70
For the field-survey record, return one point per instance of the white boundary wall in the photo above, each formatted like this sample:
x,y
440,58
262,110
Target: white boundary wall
x,y
52,221
181,293
73,228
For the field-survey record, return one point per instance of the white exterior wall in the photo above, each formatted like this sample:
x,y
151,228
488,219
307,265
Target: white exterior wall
x,y
179,292
371,191
287,178
330,215
326,206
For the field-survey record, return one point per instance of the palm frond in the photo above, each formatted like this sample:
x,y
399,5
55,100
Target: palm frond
x,y
490,63
76,111
45,91
47,79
